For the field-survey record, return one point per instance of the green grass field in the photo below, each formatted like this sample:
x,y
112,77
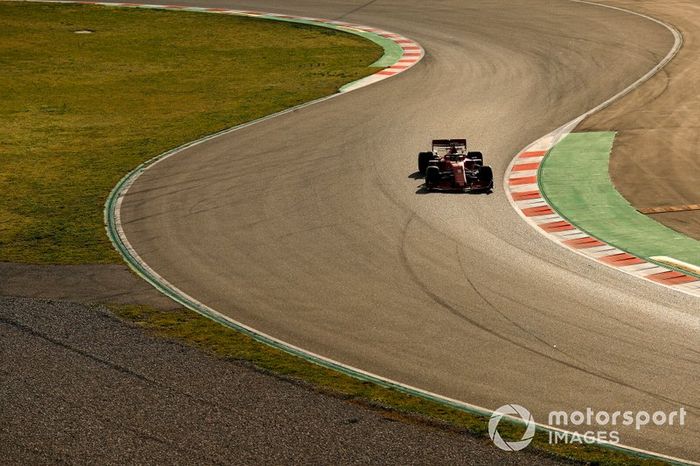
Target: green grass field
x,y
81,110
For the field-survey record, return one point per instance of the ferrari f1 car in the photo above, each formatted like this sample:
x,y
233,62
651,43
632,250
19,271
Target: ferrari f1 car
x,y
450,167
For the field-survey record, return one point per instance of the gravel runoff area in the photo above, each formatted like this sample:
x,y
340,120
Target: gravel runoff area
x,y
654,161
78,385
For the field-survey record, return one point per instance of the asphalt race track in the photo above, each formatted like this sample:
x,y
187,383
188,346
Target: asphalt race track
x,y
311,227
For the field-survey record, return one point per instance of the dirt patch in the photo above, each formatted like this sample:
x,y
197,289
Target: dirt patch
x,y
80,283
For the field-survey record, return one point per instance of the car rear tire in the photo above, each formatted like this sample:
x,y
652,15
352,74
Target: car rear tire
x,y
424,159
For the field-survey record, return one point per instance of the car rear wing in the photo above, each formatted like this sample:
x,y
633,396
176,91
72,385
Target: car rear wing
x,y
440,145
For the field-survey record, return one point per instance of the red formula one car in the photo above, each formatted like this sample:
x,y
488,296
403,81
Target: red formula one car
x,y
450,167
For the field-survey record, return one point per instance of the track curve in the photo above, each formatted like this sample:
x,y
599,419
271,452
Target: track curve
x,y
335,250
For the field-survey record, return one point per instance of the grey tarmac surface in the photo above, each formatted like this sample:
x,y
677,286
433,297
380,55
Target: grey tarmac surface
x,y
310,227
81,387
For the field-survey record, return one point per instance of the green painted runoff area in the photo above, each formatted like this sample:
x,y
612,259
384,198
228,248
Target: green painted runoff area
x,y
575,181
